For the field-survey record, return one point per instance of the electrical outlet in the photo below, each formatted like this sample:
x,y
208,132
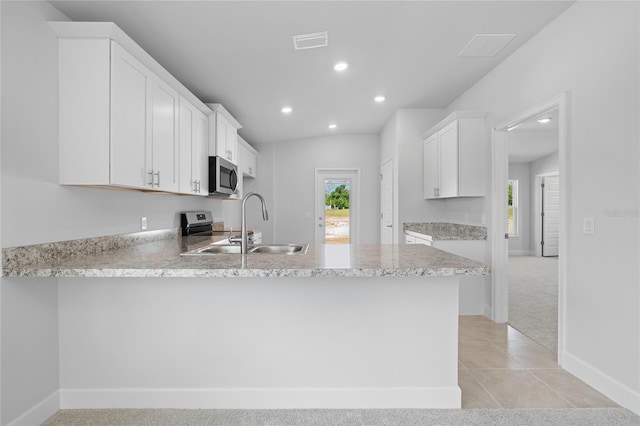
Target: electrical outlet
x,y
589,226
143,223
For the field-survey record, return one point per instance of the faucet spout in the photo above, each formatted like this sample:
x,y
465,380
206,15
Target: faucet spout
x,y
244,240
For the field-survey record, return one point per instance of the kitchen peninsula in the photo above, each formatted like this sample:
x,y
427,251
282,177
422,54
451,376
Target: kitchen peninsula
x,y
344,326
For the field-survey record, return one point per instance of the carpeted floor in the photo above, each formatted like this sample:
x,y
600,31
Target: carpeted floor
x,y
533,298
166,417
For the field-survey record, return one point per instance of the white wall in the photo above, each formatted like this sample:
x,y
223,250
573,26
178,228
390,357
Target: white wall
x,y
35,209
401,141
521,245
293,174
52,212
599,69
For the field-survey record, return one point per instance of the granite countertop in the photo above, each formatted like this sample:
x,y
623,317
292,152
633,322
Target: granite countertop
x,y
160,257
447,231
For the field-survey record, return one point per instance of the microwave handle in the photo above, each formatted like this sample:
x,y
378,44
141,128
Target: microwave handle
x,y
233,179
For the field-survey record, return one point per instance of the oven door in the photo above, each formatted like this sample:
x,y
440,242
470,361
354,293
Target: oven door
x,y
223,176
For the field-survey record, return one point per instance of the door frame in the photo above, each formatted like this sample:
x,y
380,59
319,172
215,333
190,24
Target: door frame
x,y
537,210
354,232
499,244
382,225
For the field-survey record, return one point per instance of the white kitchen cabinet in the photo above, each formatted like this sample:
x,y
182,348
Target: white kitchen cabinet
x,y
193,150
415,238
454,157
119,111
431,167
163,148
223,134
129,101
247,159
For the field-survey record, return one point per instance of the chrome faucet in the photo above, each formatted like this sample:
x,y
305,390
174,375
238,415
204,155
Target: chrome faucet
x,y
244,240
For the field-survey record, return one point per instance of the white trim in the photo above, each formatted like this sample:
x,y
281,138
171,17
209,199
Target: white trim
x,y
487,311
263,398
499,259
40,412
499,244
605,384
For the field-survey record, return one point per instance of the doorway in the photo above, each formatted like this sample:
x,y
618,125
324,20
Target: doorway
x,y
336,206
501,240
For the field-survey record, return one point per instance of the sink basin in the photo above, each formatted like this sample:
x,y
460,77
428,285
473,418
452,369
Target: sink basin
x,y
216,249
280,248
260,248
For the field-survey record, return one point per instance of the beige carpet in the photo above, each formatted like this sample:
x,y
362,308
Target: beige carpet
x,y
130,417
533,298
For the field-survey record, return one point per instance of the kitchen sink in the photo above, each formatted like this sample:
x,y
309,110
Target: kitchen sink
x,y
260,248
280,248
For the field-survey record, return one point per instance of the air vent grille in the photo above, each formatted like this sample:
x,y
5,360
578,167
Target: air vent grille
x,y
486,44
311,41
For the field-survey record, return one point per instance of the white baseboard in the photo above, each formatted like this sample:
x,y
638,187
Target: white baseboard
x,y
40,412
487,312
603,383
258,398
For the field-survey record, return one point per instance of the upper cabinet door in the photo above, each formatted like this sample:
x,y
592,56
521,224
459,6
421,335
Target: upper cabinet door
x,y
449,161
129,99
193,154
200,157
164,136
431,168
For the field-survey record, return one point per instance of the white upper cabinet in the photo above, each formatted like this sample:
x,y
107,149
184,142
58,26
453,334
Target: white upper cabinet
x,y
193,150
223,134
454,157
163,150
247,159
129,108
119,112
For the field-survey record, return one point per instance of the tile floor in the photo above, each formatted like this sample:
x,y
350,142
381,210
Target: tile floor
x,y
499,367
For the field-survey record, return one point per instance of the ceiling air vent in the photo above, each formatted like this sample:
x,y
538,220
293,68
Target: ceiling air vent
x,y
486,44
310,41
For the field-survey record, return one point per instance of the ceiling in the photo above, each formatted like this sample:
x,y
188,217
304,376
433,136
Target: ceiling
x,y
532,140
240,54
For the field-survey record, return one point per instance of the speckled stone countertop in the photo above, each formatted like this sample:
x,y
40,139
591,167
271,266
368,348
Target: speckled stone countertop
x,y
160,257
447,231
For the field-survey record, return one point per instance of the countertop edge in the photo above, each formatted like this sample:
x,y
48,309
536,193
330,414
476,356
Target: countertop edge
x,y
241,273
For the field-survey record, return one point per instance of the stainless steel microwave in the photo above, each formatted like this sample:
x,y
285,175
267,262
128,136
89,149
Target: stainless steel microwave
x,y
223,176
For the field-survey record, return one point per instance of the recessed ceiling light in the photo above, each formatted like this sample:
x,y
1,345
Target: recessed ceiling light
x,y
379,98
544,120
286,110
340,66
332,126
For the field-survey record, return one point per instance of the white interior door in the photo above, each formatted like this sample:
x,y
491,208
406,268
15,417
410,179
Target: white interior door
x,y
550,215
345,228
386,203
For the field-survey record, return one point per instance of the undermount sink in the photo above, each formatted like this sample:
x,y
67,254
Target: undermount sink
x,y
280,248
260,248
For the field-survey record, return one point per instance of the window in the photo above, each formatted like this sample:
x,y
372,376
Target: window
x,y
512,208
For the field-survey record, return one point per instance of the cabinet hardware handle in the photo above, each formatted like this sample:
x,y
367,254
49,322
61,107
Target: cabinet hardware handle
x,y
157,174
150,174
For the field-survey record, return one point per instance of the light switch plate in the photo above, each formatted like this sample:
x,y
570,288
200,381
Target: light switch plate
x,y
589,225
